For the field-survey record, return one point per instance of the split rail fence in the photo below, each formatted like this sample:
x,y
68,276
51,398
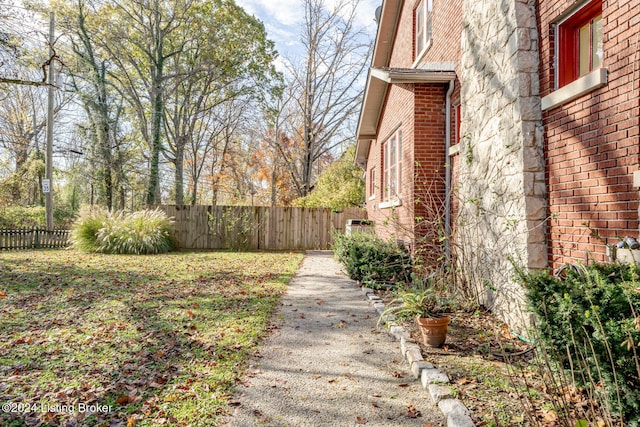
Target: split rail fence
x,y
33,238
257,227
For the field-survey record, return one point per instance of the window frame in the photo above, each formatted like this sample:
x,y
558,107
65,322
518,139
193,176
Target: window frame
x,y
372,183
458,121
392,167
568,43
423,27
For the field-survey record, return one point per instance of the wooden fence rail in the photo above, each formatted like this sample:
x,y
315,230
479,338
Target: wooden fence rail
x,y
34,238
249,227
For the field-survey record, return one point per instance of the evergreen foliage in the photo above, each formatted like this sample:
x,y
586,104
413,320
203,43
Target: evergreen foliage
x,y
371,260
588,320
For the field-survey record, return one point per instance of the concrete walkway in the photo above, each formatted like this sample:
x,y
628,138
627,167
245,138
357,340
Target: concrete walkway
x,y
328,365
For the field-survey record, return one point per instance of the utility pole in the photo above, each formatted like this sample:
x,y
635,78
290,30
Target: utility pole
x,y
47,185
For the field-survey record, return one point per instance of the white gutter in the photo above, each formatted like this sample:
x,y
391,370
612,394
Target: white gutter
x,y
447,176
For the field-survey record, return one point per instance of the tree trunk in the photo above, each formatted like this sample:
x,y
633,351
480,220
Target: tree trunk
x,y
157,102
179,172
194,193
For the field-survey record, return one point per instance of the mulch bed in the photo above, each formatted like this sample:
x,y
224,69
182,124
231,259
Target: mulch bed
x,y
494,372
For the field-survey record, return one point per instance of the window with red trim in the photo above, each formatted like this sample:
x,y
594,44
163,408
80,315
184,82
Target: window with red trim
x,y
580,43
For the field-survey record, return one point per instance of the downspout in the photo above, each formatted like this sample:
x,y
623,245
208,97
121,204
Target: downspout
x,y
447,176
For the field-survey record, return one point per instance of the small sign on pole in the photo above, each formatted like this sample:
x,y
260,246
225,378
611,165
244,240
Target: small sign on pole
x,y
46,186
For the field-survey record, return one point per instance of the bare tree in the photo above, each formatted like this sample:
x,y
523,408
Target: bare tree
x,y
323,86
24,56
22,124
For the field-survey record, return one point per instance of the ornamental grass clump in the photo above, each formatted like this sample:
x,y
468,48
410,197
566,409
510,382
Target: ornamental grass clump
x,y
143,232
84,231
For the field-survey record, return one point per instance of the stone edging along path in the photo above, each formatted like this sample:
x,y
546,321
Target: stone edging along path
x,y
433,380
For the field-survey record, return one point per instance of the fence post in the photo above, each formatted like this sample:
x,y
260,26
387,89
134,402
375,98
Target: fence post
x,y
36,238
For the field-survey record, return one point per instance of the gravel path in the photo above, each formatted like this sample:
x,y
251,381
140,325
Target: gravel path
x,y
328,365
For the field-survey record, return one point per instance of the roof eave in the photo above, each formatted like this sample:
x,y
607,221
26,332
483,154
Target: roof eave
x,y
374,95
385,35
378,81
413,76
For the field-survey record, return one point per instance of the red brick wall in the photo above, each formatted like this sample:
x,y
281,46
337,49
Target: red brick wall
x,y
398,111
430,148
447,30
402,54
429,166
394,223
419,110
592,143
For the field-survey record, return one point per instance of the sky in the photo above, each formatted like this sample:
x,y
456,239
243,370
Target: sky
x,y
283,20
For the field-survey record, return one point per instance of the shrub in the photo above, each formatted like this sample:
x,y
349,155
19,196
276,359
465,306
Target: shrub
x,y
84,232
589,322
143,232
372,260
17,217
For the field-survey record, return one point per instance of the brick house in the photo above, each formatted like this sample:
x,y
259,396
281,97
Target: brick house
x,y
510,125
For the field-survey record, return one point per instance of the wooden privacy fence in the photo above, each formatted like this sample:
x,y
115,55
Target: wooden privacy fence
x,y
257,227
34,238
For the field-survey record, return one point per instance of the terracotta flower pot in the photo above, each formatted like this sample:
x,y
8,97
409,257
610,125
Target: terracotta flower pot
x,y
434,330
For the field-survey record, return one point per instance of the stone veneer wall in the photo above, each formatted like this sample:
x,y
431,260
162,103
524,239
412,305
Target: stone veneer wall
x,y
501,182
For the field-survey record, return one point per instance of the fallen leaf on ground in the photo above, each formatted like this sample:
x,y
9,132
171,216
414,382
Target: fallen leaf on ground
x,y
122,400
550,416
412,412
360,420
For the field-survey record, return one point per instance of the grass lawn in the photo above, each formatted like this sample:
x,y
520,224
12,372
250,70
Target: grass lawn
x,y
109,340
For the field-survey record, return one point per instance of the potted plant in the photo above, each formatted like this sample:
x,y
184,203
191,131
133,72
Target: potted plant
x,y
428,308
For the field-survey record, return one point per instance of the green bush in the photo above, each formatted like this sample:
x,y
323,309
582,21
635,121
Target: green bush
x,y
84,232
18,217
143,232
371,260
589,321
